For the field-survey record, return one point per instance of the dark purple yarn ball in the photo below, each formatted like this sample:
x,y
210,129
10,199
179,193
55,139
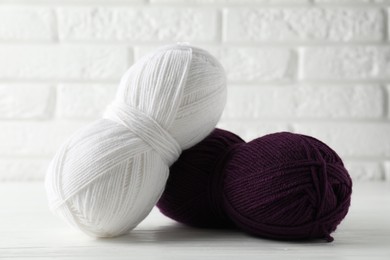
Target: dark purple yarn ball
x,y
281,186
286,186
192,194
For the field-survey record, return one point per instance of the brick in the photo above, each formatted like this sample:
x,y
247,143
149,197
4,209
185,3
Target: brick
x,y
249,130
26,23
257,64
364,170
34,139
245,102
84,2
230,1
26,101
23,169
83,101
62,62
344,1
352,140
350,63
247,64
387,171
303,24
356,101
388,101
140,51
137,24
305,102
98,1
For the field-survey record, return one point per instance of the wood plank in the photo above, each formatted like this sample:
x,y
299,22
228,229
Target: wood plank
x,y
29,230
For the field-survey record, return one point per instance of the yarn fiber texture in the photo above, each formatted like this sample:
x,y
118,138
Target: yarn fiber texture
x,y
280,186
192,193
108,176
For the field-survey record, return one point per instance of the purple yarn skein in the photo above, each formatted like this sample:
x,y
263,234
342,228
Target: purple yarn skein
x,y
279,186
192,193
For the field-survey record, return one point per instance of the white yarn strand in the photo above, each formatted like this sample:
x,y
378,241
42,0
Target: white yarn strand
x,y
106,178
146,128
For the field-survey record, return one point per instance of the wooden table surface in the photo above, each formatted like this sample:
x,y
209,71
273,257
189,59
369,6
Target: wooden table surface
x,y
29,231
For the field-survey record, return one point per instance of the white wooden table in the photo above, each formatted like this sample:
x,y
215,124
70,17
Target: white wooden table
x,y
29,231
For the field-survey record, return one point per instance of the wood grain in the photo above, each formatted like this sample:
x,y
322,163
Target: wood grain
x,y
30,231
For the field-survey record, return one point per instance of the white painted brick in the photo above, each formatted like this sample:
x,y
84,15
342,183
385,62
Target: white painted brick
x,y
23,101
84,101
23,169
360,62
352,117
94,2
142,50
257,64
26,23
259,102
305,102
364,170
248,64
387,171
343,1
84,2
34,138
353,139
230,1
303,24
137,24
249,130
62,62
360,101
388,101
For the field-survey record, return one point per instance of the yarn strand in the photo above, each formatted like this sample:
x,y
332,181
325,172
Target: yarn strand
x,y
106,178
281,186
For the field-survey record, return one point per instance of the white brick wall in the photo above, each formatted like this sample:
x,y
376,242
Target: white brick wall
x,y
62,62
83,101
346,63
319,67
137,24
303,24
26,101
305,102
26,23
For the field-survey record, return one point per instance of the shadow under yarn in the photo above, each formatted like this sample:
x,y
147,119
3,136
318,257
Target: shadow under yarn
x,y
176,233
183,234
282,186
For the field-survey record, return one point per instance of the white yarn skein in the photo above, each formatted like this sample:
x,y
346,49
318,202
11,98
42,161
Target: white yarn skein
x,y
108,176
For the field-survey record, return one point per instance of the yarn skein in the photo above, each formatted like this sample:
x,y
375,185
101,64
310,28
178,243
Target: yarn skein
x,y
108,176
279,186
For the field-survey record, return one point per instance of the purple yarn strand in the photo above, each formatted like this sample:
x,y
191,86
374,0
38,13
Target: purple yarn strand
x,y
279,186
